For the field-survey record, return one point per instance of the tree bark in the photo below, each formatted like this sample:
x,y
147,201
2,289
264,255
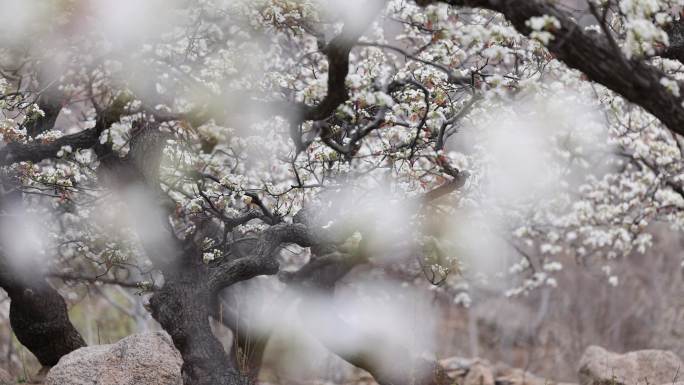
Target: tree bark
x,y
182,307
183,304
38,313
50,102
39,319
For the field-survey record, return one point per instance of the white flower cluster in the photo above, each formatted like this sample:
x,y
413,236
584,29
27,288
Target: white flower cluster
x,y
643,22
543,27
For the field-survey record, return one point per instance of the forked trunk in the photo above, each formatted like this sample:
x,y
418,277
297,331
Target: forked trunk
x,y
182,307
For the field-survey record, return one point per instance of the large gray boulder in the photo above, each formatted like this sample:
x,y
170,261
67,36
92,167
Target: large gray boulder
x,y
147,358
601,367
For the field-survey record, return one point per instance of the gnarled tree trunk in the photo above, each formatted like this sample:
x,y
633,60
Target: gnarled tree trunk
x,y
38,313
39,319
183,307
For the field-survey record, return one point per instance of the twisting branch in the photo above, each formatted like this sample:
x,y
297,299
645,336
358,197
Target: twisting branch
x,y
35,152
93,279
337,53
271,218
15,152
592,54
352,145
675,33
261,260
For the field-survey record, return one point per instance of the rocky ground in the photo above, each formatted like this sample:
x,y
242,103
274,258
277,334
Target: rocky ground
x,y
151,359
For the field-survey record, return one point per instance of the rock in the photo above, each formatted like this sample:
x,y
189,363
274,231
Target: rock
x,y
147,358
456,363
601,367
456,367
515,376
5,378
480,373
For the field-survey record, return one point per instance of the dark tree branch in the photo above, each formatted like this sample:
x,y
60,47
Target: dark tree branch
x,y
70,277
38,313
593,55
50,102
675,32
15,152
261,260
272,218
337,52
35,151
39,319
